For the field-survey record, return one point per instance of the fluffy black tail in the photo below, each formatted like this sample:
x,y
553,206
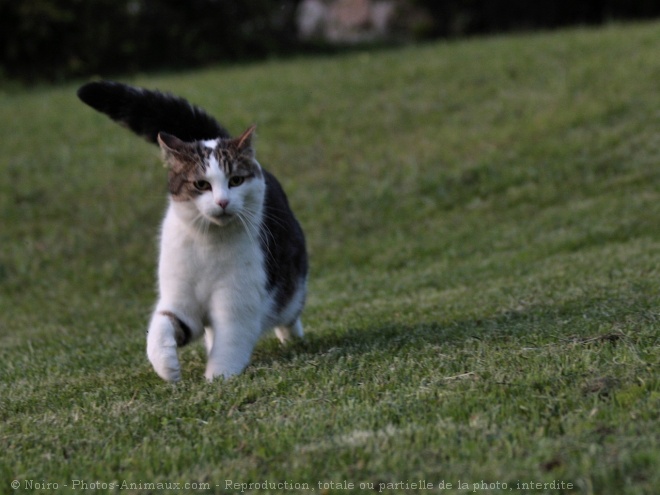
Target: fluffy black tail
x,y
147,113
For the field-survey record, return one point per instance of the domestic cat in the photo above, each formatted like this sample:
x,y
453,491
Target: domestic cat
x,y
233,262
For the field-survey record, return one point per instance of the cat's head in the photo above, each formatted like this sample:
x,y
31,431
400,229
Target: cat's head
x,y
217,181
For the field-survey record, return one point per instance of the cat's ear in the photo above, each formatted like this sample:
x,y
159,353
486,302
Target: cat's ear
x,y
244,142
174,150
171,144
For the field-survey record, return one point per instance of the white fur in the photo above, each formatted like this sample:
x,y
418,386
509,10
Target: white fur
x,y
210,143
211,276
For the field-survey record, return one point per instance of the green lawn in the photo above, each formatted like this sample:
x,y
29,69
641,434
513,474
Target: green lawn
x,y
483,220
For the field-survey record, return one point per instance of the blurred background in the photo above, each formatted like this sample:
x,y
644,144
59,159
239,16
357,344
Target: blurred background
x,y
56,40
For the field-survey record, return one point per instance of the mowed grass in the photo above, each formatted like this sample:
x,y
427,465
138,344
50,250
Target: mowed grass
x,y
483,220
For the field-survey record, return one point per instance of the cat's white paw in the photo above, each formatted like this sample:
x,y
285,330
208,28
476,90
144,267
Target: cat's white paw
x,y
216,371
161,349
212,375
228,363
165,361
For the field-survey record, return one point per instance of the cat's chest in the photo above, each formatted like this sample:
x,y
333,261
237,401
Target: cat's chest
x,y
207,264
234,258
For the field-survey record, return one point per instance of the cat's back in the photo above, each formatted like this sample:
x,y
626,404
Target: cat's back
x,y
283,245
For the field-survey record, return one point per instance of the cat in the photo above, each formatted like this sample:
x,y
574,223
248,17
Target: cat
x,y
233,262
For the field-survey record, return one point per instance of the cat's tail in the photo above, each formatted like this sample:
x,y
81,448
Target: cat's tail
x,y
147,112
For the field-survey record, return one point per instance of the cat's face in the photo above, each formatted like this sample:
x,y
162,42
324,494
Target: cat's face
x,y
219,180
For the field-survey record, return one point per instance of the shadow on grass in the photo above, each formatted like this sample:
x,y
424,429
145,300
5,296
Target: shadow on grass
x,y
580,320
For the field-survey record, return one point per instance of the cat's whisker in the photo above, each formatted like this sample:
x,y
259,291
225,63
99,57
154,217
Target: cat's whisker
x,y
262,230
248,226
253,225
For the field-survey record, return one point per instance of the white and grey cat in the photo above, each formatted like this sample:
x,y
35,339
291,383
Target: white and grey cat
x,y
233,262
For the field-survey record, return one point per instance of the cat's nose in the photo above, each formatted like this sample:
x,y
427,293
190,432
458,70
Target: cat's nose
x,y
222,203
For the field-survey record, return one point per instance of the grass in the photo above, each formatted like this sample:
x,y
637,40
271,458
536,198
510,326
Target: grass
x,y
482,218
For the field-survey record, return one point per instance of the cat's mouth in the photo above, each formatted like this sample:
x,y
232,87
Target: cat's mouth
x,y
222,218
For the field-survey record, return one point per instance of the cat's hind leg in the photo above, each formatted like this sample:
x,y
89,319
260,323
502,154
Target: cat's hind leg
x,y
289,333
166,332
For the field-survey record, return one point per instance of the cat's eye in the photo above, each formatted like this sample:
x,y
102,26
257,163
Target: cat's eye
x,y
236,180
202,185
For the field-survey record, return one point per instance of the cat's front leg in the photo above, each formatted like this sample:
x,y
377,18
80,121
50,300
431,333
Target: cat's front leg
x,y
167,331
228,357
229,348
